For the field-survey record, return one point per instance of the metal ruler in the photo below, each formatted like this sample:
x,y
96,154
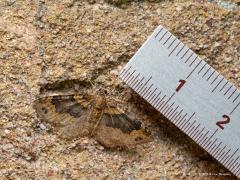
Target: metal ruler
x,y
190,93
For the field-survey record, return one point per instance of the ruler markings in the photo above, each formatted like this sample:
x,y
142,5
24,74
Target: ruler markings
x,y
204,138
159,100
221,152
232,93
200,134
228,90
152,100
215,151
235,108
191,132
211,145
225,156
134,80
180,119
167,39
189,128
167,114
218,84
126,72
162,105
180,50
129,76
190,65
169,108
194,69
163,36
177,115
172,43
206,72
211,75
146,90
202,68
195,133
159,104
158,32
211,136
186,126
188,120
232,163
215,79
165,108
236,97
235,167
231,157
185,53
189,57
151,95
231,166
180,124
183,124
140,90
224,86
171,112
131,79
167,102
137,84
174,49
201,140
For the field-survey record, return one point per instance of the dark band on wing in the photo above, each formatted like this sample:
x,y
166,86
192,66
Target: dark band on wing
x,y
121,121
67,104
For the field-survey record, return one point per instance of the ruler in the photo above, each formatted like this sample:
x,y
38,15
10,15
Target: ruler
x,y
190,93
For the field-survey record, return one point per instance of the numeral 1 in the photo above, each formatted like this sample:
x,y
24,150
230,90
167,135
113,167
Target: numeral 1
x,y
181,84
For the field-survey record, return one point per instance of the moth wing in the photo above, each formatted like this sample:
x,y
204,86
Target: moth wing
x,y
68,113
116,129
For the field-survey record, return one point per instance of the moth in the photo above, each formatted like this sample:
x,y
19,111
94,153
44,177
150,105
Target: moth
x,y
92,115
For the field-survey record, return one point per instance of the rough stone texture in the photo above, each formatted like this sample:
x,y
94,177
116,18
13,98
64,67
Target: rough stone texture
x,y
66,43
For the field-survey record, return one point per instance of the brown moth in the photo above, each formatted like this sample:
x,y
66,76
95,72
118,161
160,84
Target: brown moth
x,y
90,115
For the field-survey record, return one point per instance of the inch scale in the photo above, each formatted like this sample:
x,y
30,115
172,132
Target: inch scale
x,y
190,93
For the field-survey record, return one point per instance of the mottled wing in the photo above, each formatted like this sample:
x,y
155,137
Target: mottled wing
x,y
116,129
67,113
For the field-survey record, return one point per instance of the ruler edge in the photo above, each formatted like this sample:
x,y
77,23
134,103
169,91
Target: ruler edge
x,y
237,174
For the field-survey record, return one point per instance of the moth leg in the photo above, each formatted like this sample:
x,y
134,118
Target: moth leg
x,y
97,124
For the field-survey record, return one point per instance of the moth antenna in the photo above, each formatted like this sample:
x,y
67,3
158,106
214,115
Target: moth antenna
x,y
93,86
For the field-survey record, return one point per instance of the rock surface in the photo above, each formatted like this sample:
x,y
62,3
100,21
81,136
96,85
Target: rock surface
x,y
48,45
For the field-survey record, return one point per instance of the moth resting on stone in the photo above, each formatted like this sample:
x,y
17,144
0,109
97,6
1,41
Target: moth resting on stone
x,y
90,115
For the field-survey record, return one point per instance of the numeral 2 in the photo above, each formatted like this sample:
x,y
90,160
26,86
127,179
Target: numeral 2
x,y
225,121
182,82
